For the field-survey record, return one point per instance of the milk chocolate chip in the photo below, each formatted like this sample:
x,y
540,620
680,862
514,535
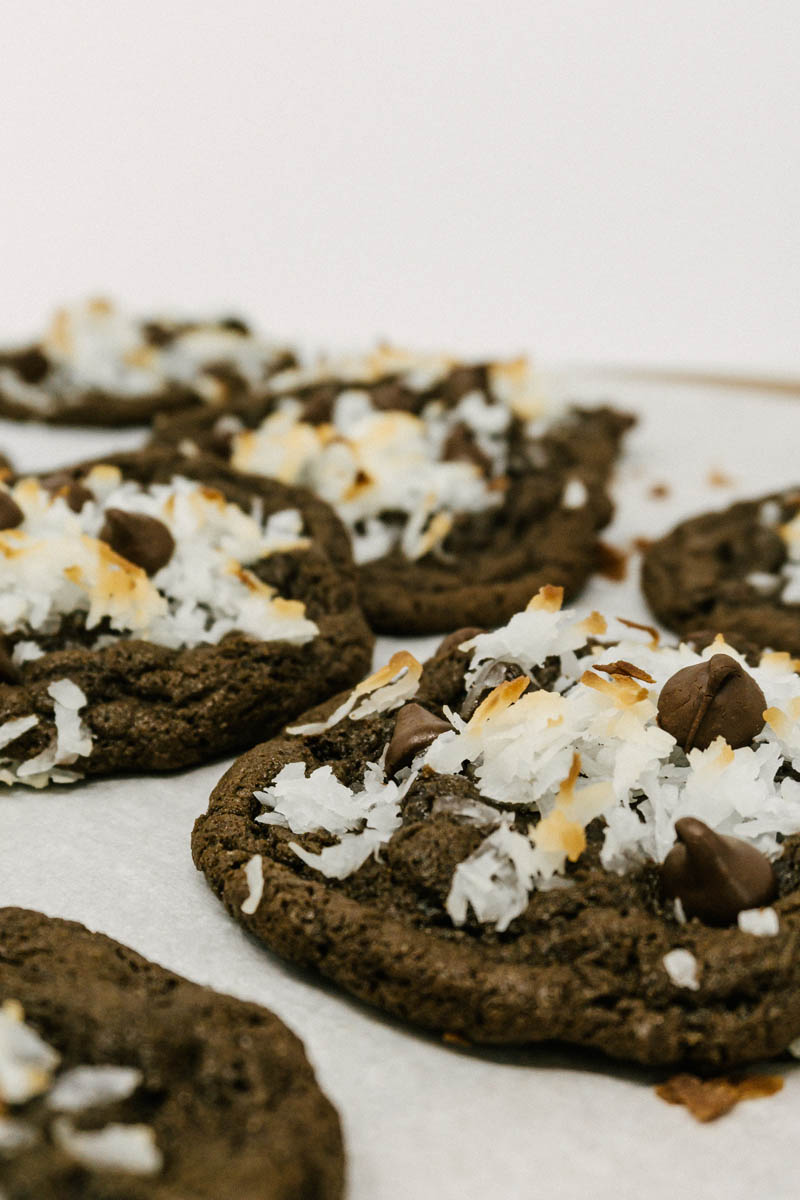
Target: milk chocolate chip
x,y
712,699
414,729
143,540
715,877
11,515
62,484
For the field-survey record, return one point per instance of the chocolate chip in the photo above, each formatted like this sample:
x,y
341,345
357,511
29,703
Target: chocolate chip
x,y
460,446
234,325
318,406
393,397
712,699
157,334
414,729
11,515
463,380
9,671
143,540
454,639
31,365
74,492
715,877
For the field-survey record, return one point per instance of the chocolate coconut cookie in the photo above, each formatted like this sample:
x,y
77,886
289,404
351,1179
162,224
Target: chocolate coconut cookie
x,y
156,613
737,571
99,366
463,486
553,831
120,1081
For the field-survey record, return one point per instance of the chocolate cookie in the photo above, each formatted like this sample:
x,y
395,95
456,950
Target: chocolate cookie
x,y
464,488
542,835
156,613
120,1081
99,366
735,572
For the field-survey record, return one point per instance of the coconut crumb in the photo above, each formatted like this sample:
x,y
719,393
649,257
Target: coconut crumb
x,y
708,1099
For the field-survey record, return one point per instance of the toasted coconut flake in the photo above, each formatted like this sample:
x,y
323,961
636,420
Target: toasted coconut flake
x,y
387,688
708,1099
620,688
655,636
624,668
547,599
594,625
499,699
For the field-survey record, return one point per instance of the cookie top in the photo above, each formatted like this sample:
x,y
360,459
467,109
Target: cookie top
x,y
98,365
464,486
558,830
737,571
149,608
120,1080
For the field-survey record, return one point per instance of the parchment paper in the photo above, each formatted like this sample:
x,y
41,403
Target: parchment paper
x,y
421,1119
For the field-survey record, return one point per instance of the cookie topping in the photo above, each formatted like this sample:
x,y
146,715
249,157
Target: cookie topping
x,y
681,966
386,443
74,493
11,515
567,736
715,876
414,730
140,539
28,1067
95,347
254,878
717,698
58,565
127,1148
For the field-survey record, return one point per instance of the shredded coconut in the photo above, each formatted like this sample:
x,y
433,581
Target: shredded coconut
x,y
27,1063
86,1086
56,565
128,1148
255,884
94,346
368,462
763,922
681,966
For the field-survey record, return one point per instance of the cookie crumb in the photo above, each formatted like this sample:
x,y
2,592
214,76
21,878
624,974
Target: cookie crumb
x,y
659,491
455,1039
642,544
717,478
707,1099
612,562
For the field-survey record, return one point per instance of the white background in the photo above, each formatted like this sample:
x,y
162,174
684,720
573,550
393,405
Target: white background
x,y
599,179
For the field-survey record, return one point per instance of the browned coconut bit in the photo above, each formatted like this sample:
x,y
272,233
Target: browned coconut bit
x,y
707,1099
143,540
716,698
414,730
714,876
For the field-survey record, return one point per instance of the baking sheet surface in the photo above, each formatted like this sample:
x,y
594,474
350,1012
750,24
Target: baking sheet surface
x,y
423,1120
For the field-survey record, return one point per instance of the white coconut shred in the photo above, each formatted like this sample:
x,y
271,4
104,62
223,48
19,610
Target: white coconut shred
x,y
95,346
54,565
29,1068
590,747
368,462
